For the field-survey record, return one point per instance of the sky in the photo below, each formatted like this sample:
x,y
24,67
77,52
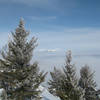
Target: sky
x,y
59,25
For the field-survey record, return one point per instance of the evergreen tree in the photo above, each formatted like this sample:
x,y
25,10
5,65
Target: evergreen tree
x,y
65,85
18,76
56,83
87,83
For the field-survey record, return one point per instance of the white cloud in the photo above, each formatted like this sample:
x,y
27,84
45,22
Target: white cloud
x,y
79,40
58,5
49,50
42,18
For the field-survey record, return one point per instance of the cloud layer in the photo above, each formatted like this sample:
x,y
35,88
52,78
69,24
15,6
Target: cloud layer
x,y
42,18
49,50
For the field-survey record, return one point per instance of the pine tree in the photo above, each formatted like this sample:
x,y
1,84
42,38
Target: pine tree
x,y
65,85
87,83
19,76
56,83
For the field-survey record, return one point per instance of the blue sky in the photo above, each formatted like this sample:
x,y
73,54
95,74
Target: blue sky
x,y
60,25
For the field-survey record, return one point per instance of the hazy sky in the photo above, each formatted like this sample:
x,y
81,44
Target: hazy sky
x,y
60,25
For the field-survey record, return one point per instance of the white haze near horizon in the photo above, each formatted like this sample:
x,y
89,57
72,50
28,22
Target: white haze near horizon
x,y
47,61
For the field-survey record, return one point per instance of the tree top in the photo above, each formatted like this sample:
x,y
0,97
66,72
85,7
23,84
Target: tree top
x,y
21,22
